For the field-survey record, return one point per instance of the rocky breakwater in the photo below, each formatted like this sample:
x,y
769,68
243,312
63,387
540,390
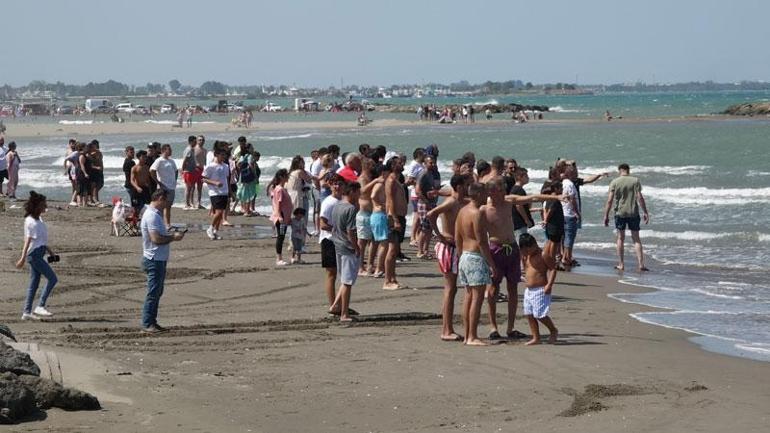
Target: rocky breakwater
x,y
478,108
749,109
23,393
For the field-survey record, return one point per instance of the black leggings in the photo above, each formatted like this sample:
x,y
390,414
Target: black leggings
x,y
280,230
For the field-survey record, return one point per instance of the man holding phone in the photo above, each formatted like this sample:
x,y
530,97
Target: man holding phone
x,y
155,254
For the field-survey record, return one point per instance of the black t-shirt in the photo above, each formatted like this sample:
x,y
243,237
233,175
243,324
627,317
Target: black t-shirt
x,y
429,180
518,221
509,182
128,164
578,183
556,218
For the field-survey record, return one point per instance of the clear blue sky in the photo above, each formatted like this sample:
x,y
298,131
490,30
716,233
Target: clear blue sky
x,y
316,42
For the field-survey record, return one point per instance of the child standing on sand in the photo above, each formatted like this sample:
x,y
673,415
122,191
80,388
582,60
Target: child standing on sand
x,y
298,233
540,272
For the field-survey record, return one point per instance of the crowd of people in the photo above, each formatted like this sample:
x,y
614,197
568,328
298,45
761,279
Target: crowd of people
x,y
476,226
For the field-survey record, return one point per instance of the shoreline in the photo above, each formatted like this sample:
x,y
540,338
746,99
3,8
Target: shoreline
x,y
35,129
251,347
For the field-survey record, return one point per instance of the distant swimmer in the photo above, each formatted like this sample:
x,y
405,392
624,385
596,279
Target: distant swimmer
x,y
607,116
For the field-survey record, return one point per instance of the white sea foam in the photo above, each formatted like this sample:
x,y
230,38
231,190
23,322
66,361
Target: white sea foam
x,y
763,237
696,195
490,102
77,122
685,236
716,295
594,246
282,137
673,170
756,348
560,109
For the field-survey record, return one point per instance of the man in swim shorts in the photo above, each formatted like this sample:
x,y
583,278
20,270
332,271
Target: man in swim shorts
x,y
379,221
504,250
363,223
446,250
396,209
475,269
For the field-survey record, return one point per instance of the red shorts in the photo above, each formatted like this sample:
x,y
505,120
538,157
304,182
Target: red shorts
x,y
447,258
192,177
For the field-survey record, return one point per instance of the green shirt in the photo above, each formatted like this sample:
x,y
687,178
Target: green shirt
x,y
626,189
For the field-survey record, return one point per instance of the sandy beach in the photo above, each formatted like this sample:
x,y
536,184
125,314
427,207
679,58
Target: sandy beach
x,y
251,349
101,126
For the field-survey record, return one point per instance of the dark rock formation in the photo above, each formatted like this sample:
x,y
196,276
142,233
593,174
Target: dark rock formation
x,y
11,360
749,109
23,392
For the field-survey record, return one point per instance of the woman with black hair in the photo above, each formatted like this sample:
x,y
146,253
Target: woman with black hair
x,y
35,247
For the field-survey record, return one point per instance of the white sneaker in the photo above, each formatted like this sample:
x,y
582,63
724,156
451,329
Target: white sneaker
x,y
29,316
41,311
280,263
210,233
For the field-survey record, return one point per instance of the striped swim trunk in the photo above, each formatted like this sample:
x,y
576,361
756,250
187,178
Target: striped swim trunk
x,y
536,302
472,270
447,258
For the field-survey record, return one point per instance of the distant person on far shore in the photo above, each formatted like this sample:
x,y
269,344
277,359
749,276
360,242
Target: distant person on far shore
x,y
540,273
607,115
155,254
625,197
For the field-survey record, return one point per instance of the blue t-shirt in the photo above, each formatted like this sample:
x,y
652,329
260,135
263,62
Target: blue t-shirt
x,y
152,220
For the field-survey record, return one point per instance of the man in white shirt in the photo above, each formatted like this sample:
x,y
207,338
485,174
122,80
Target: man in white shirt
x,y
217,176
165,174
328,251
571,208
155,255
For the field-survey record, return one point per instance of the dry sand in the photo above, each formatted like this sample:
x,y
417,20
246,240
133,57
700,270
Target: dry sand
x,y
252,350
21,129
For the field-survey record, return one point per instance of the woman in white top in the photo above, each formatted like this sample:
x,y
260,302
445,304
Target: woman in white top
x,y
35,247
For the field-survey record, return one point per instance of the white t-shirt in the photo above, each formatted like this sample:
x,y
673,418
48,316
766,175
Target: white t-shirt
x,y
414,170
218,173
316,167
570,191
327,206
165,170
37,230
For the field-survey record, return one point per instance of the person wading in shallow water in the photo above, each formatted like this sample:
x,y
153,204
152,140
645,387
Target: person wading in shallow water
x,y
625,197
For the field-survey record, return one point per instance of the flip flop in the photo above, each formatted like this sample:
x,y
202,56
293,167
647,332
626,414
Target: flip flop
x,y
516,335
457,337
351,312
618,268
644,269
494,335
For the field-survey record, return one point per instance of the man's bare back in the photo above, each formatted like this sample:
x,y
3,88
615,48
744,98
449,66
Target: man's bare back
x,y
142,175
365,199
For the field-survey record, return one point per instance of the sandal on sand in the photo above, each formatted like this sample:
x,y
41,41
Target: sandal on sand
x,y
378,274
351,312
398,286
494,335
457,337
516,335
502,297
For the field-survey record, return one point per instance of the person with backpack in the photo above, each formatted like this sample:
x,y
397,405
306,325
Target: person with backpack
x,y
247,180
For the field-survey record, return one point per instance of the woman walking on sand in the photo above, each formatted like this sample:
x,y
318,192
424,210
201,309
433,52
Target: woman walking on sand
x,y
282,211
35,247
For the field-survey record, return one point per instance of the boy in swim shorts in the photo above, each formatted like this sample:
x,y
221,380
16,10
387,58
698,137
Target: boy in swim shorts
x,y
540,271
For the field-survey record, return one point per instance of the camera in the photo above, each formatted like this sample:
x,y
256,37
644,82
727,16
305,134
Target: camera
x,y
53,258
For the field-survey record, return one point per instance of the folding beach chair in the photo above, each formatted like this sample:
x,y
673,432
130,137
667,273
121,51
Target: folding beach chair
x,y
124,220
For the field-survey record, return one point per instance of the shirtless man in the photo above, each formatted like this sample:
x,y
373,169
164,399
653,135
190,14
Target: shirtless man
x,y
200,163
446,252
475,269
140,183
379,219
504,250
363,223
497,167
396,208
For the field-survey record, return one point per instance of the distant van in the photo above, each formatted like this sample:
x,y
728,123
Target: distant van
x,y
98,106
125,107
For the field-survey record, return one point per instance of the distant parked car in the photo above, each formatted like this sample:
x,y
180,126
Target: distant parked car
x,y
125,107
65,109
167,108
272,108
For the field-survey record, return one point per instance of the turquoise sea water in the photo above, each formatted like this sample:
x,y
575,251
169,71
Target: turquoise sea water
x,y
707,185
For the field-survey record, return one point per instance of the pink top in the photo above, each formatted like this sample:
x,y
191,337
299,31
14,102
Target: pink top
x,y
281,205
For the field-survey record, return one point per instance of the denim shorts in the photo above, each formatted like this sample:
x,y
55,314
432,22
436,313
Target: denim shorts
x,y
631,222
570,231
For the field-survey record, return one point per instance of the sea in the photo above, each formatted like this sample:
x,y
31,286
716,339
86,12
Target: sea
x,y
706,182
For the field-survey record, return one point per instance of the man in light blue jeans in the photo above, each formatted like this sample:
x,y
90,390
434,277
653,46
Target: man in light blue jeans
x,y
155,253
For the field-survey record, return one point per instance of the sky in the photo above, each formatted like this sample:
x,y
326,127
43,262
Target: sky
x,y
322,43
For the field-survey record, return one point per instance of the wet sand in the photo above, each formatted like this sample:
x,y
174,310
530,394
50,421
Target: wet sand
x,y
251,348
